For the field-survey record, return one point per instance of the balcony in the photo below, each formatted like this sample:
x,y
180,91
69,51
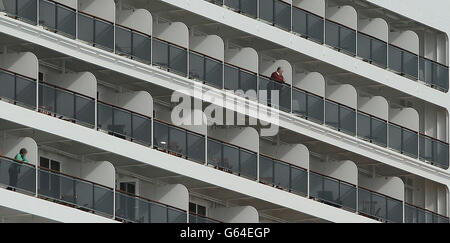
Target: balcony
x,y
232,159
124,123
18,175
66,104
18,89
403,62
58,18
307,24
133,44
379,206
276,13
206,69
372,129
332,191
372,50
308,105
284,93
340,117
340,37
237,78
434,74
414,214
283,176
247,7
169,56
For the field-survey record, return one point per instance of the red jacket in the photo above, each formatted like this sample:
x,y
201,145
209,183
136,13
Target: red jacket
x,y
277,77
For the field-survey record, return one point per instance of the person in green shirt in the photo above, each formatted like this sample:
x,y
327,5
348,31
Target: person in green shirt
x,y
14,169
21,156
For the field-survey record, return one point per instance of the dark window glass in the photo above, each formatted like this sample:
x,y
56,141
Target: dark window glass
x,y
123,40
178,59
196,66
282,13
266,170
142,129
142,47
213,72
266,10
160,53
195,147
86,28
104,34
66,21
214,152
231,78
47,14
248,164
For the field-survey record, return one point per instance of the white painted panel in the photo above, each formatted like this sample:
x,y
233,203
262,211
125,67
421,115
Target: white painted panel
x,y
246,58
244,214
313,6
390,186
84,83
175,32
100,172
406,117
407,40
11,146
345,15
267,67
345,170
296,154
137,19
376,106
344,94
376,27
104,9
25,63
176,195
69,3
245,137
312,82
210,45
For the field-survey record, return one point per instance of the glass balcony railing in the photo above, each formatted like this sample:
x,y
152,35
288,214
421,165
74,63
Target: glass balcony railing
x,y
58,17
434,151
307,24
67,104
179,142
247,7
124,123
17,89
170,56
340,37
433,73
403,140
96,31
340,117
232,159
283,175
332,191
23,9
75,192
17,175
276,12
372,129
379,206
199,219
206,69
134,209
134,44
372,50
403,62
239,79
308,105
414,214
284,93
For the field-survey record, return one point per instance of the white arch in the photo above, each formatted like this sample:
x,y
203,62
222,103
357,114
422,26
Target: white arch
x,y
343,93
105,9
174,32
312,82
136,19
84,83
345,170
68,3
246,58
210,45
295,154
245,137
345,15
313,6
389,186
241,214
24,63
408,40
406,117
376,106
376,27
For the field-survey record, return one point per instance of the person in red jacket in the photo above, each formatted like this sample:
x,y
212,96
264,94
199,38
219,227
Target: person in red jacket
x,y
278,75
